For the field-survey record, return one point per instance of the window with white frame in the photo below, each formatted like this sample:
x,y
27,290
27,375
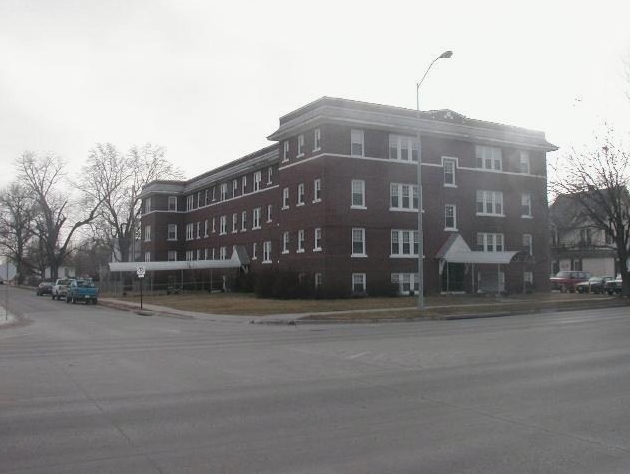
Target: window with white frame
x,y
524,162
490,203
317,190
269,212
257,180
244,184
285,198
147,233
234,222
207,197
489,242
198,254
234,187
450,217
403,148
214,225
318,280
526,205
205,228
243,221
528,278
254,251
205,253
189,255
450,165
190,231
358,282
318,240
190,202
356,143
214,193
317,139
528,244
285,151
300,145
285,242
269,175
406,282
358,242
213,251
404,243
198,230
199,199
172,203
223,191
403,196
300,241
358,194
147,205
223,225
223,253
172,232
267,251
171,255
489,157
147,256
300,194
256,218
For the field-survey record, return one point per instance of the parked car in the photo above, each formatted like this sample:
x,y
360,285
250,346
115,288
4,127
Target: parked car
x,y
567,279
44,288
59,288
613,287
593,285
82,290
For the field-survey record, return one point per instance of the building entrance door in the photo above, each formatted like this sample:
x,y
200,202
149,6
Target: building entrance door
x,y
453,275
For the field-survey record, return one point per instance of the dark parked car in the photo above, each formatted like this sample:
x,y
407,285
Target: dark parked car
x,y
44,288
567,279
613,287
594,285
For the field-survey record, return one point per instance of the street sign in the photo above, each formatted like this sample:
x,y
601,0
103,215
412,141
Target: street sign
x,y
140,271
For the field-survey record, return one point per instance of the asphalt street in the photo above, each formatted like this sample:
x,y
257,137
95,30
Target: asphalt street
x,y
86,389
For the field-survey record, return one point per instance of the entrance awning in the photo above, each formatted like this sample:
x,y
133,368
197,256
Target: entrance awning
x,y
238,259
456,250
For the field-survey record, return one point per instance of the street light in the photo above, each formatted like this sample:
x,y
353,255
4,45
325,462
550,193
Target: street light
x,y
444,55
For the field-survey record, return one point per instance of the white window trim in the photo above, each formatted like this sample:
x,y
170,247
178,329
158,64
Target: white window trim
x,y
411,142
315,183
317,249
285,198
362,134
317,137
285,151
494,203
412,188
267,260
300,195
300,241
301,145
446,228
168,232
357,206
358,255
364,278
527,216
412,243
456,166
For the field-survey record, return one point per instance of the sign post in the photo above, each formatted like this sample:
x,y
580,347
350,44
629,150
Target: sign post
x,y
140,272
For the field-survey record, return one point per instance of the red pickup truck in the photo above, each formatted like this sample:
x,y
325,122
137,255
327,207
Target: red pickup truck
x,y
566,280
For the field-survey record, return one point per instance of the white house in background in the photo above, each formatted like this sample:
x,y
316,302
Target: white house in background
x,y
64,272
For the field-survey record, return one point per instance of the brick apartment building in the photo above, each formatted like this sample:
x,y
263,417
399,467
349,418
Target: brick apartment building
x,y
335,197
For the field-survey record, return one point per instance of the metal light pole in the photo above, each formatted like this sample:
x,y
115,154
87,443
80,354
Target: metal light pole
x,y
444,55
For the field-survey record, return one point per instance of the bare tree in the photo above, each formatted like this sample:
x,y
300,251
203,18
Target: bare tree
x,y
117,180
597,179
44,177
16,226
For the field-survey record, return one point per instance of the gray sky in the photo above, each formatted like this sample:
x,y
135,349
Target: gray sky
x,y
209,80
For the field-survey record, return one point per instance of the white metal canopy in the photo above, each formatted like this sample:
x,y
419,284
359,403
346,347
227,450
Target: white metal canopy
x,y
456,250
233,262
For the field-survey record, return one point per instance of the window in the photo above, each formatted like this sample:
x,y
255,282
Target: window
x,y
526,205
147,233
358,282
243,221
269,175
300,242
300,145
256,218
190,202
358,194
198,254
214,225
528,244
223,191
358,243
300,194
403,196
285,198
172,203
269,211
254,251
199,199
198,230
189,255
356,143
403,148
214,196
206,199
450,217
318,280
205,228
234,222
285,242
205,253
147,205
490,203
404,243
267,251
449,171
172,232
317,139
488,242
528,278
171,256
147,256
285,151
257,180
190,231
243,184
317,190
488,157
318,240
406,282
222,253
223,225
524,161
234,187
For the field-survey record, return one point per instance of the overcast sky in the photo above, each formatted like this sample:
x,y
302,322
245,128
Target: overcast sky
x,y
209,80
